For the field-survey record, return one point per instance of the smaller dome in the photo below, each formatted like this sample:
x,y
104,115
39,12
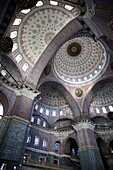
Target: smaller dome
x,y
80,60
51,96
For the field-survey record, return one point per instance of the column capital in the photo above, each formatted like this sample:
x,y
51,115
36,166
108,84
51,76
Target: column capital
x,y
86,124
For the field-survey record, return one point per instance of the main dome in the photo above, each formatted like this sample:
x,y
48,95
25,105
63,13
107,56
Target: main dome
x,y
38,28
80,60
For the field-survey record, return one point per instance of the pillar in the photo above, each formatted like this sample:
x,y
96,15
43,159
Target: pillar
x,y
89,154
14,141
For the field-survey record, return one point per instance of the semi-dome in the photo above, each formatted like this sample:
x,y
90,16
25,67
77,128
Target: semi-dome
x,y
51,96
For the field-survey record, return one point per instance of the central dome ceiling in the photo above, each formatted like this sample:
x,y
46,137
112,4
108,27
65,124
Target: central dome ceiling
x,y
34,28
38,28
80,60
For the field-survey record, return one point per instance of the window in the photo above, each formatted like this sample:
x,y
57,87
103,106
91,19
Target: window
x,y
14,167
47,112
36,106
29,139
96,71
97,110
68,7
32,119
61,113
57,146
41,110
111,108
79,80
45,143
13,34
3,73
25,11
90,75
25,67
39,3
54,113
18,58
73,80
1,110
53,3
38,121
36,141
17,21
15,46
104,110
100,66
44,124
85,78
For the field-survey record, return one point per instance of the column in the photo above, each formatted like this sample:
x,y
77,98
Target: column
x,y
89,155
14,142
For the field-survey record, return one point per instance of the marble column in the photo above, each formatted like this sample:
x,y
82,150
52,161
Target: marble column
x,y
14,141
89,155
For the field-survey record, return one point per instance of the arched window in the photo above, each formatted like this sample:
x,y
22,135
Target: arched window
x,y
36,141
97,110
61,112
47,112
68,7
32,119
25,11
25,67
38,121
29,139
3,73
111,108
15,46
17,21
44,124
13,34
54,113
39,3
53,3
18,58
36,107
1,110
104,110
45,144
41,110
57,146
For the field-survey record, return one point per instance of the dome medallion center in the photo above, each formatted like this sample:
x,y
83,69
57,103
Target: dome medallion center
x,y
74,49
